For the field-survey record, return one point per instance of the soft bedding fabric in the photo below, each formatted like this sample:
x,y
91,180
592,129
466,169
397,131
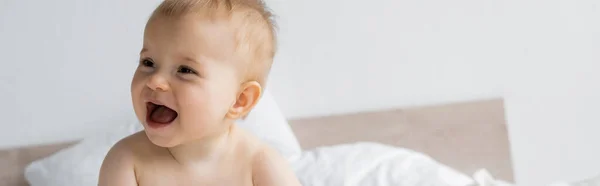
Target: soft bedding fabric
x,y
372,164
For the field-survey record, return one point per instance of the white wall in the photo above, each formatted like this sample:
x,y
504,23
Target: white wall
x,y
553,92
68,63
349,56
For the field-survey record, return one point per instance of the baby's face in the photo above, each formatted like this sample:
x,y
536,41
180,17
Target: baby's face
x,y
186,80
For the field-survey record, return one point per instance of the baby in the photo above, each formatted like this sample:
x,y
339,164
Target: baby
x,y
203,66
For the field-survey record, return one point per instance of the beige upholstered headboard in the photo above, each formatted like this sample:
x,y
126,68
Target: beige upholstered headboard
x,y
466,136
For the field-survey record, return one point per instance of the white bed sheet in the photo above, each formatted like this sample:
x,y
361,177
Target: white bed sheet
x,y
373,164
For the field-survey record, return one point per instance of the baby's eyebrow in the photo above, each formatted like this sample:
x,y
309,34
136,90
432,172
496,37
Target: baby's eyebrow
x,y
190,59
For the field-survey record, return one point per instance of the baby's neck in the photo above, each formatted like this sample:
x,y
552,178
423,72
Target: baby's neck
x,y
204,150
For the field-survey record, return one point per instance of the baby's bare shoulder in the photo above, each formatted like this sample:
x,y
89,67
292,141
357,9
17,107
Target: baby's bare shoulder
x,y
269,168
133,145
118,165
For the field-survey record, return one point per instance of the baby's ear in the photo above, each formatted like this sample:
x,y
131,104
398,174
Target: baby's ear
x,y
246,100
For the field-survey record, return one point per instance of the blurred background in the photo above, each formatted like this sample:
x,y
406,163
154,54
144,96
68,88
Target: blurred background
x,y
70,62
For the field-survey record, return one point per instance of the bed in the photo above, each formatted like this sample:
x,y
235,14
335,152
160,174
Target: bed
x,y
466,136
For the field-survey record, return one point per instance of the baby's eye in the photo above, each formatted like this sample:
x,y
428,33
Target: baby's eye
x,y
186,70
147,63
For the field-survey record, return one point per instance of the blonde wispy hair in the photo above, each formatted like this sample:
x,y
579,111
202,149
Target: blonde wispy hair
x,y
254,23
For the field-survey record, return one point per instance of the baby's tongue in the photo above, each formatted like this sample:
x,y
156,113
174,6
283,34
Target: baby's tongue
x,y
163,115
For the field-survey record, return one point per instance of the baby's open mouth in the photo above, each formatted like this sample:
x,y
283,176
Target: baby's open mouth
x,y
160,114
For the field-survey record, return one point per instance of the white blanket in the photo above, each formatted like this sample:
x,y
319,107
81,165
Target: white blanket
x,y
372,164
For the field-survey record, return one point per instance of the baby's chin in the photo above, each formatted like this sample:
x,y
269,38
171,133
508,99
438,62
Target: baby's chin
x,y
163,141
163,137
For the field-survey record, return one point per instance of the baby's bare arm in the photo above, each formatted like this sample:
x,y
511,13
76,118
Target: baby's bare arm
x,y
271,169
117,168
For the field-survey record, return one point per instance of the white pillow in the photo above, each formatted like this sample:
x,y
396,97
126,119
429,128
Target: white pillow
x,y
80,164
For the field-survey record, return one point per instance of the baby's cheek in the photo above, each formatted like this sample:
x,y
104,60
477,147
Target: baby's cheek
x,y
137,80
198,122
197,108
136,100
137,91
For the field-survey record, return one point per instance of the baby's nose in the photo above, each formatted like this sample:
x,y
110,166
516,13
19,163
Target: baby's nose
x,y
158,83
